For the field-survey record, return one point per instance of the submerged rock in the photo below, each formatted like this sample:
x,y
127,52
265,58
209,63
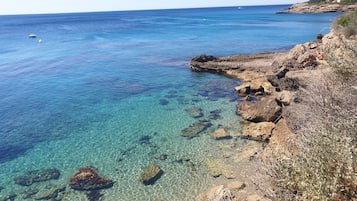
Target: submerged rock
x,y
87,179
37,176
50,194
164,102
196,128
195,112
151,174
8,197
220,134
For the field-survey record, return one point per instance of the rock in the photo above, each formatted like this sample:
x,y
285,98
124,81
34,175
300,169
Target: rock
x,y
1,188
259,85
220,134
249,151
204,58
195,129
264,110
285,97
236,185
195,112
37,176
217,168
217,193
8,197
28,193
151,174
88,179
94,195
164,102
296,51
261,131
255,197
307,60
51,194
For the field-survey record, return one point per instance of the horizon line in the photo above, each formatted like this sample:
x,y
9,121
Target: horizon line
x,y
130,10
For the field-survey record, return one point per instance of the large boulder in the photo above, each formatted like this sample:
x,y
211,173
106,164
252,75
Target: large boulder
x,y
150,174
34,176
265,110
88,179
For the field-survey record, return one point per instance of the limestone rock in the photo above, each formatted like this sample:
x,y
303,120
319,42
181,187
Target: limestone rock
x,y
217,168
236,185
151,174
264,110
261,131
285,97
220,134
254,197
248,151
217,193
88,179
37,176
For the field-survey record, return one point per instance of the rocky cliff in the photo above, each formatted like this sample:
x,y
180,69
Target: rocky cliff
x,y
273,91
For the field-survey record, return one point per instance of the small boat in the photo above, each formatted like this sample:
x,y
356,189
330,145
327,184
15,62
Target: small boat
x,y
32,35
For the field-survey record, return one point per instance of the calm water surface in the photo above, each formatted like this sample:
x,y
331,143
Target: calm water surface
x,y
111,90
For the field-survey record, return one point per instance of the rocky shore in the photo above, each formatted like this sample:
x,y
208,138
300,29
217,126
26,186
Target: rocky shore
x,y
272,86
304,8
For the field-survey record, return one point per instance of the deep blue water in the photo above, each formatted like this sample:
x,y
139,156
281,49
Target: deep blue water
x,y
100,76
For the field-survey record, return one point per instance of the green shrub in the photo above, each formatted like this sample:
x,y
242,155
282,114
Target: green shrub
x,y
347,23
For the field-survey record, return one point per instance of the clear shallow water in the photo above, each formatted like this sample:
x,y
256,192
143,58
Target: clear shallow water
x,y
91,90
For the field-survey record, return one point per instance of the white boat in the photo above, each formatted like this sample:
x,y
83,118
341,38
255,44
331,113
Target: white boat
x,y
32,35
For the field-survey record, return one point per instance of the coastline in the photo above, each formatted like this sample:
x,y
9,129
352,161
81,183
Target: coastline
x,y
307,8
274,86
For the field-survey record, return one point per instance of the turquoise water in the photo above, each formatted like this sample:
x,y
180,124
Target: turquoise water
x,y
100,83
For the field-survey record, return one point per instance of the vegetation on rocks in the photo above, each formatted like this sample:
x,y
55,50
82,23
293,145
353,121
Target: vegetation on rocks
x,y
347,23
325,121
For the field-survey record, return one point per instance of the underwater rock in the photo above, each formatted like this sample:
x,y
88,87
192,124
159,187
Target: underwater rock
x,y
51,194
195,112
220,134
145,139
94,195
8,197
29,193
37,176
151,174
1,188
215,114
196,128
164,102
87,179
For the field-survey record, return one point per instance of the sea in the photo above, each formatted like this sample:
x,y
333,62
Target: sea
x,y
114,91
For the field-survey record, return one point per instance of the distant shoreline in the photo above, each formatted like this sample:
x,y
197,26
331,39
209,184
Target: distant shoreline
x,y
307,8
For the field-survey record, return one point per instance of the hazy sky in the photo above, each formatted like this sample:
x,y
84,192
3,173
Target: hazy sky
x,y
64,6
